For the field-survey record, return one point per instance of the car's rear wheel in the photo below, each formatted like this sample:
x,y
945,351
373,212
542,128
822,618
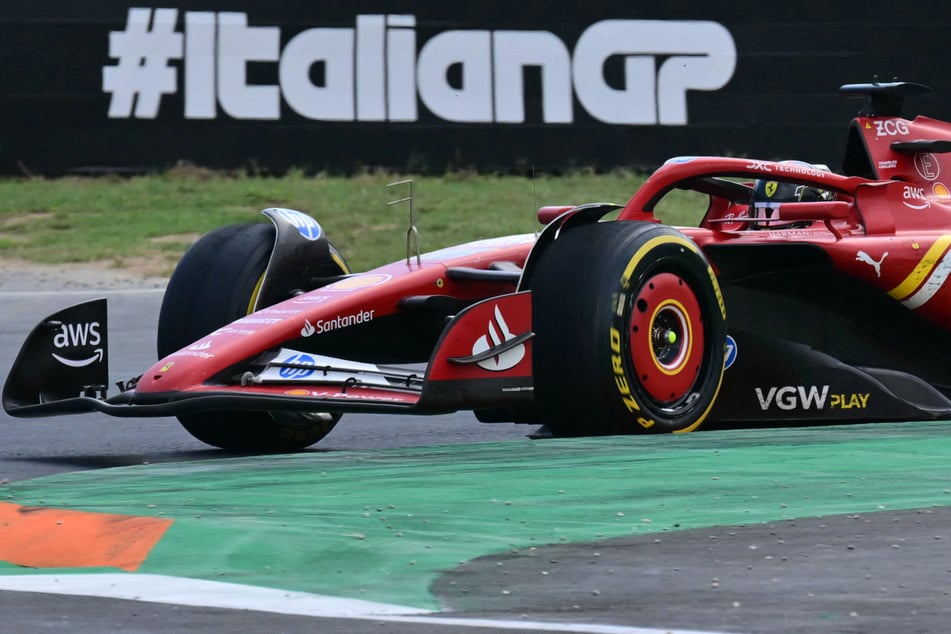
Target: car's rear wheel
x,y
216,282
630,331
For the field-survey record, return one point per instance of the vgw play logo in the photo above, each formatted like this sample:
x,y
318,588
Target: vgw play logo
x,y
377,71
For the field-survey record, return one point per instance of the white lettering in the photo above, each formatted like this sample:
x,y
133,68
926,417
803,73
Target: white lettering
x,y
401,68
813,396
469,51
786,398
701,55
890,127
371,72
914,197
793,397
239,44
333,101
343,321
512,52
72,335
200,61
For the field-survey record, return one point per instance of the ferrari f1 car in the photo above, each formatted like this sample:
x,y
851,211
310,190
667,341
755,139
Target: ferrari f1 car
x,y
804,296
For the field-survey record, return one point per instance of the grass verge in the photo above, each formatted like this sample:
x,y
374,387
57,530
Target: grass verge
x,y
148,221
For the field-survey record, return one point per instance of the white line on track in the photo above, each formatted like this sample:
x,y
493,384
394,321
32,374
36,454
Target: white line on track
x,y
215,594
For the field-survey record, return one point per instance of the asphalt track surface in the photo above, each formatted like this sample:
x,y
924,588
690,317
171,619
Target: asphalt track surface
x,y
432,525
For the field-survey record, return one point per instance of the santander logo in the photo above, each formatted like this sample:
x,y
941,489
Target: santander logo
x,y
498,333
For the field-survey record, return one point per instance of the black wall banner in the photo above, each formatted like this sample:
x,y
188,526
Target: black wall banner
x,y
426,86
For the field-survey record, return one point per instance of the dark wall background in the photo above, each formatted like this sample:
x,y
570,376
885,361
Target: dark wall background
x,y
781,101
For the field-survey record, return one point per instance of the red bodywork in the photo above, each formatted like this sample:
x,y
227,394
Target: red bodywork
x,y
883,226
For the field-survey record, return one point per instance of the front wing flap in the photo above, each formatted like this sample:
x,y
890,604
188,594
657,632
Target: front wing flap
x,y
64,357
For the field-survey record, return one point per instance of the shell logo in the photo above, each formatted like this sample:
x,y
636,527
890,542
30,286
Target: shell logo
x,y
941,190
358,281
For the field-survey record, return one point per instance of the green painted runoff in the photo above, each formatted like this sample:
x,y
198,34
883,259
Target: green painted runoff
x,y
383,525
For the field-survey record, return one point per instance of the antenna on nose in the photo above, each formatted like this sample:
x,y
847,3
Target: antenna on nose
x,y
412,234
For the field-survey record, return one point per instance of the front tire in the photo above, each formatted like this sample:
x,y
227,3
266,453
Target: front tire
x,y
630,331
215,283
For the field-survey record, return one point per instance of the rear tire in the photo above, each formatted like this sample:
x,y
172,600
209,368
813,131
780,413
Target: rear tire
x,y
630,331
215,283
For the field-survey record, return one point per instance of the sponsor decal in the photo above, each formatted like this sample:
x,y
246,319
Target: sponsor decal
x,y
731,351
267,321
298,372
358,281
800,397
305,225
335,323
890,127
498,332
326,393
862,256
848,401
193,353
96,357
927,166
792,397
307,298
888,165
941,190
167,366
202,345
760,166
620,380
782,234
913,197
800,168
376,71
70,336
233,331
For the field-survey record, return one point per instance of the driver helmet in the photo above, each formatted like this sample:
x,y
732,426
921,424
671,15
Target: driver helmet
x,y
769,194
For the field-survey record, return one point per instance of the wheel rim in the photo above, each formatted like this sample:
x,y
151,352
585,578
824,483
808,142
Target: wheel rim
x,y
666,339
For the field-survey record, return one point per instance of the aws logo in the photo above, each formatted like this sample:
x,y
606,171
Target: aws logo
x,y
72,336
914,197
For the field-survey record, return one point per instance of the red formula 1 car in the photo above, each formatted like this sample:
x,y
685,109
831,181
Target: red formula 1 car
x,y
803,296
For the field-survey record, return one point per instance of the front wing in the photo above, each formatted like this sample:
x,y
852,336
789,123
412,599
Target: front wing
x,y
62,368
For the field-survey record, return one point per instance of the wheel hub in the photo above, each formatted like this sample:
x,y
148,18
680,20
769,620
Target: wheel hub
x,y
666,337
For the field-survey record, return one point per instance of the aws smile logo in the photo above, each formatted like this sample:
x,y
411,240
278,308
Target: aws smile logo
x,y
71,336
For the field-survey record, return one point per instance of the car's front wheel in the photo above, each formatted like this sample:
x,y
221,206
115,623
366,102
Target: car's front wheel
x,y
215,283
630,331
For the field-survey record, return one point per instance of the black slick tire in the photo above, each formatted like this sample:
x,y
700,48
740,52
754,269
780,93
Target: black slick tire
x,y
215,283
630,331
